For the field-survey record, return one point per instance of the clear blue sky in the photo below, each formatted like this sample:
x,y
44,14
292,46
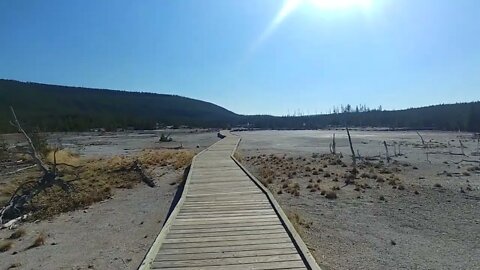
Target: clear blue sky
x,y
250,56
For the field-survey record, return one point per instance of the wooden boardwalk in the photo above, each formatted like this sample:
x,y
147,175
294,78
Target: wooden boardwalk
x,y
226,220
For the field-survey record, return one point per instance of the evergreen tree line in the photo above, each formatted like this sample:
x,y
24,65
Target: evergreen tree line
x,y
61,108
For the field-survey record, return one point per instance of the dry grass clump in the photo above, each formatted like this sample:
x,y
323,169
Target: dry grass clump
x,y
6,246
64,156
17,234
39,241
95,179
177,159
293,189
298,222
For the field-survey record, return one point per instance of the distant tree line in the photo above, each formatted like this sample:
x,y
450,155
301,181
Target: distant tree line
x,y
460,116
61,108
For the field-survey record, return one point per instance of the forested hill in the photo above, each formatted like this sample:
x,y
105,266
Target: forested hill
x,y
454,117
62,108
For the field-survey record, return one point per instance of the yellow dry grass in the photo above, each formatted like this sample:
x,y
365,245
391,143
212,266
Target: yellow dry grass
x,y
97,178
64,156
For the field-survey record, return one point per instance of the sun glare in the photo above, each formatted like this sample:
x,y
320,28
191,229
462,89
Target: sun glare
x,y
341,4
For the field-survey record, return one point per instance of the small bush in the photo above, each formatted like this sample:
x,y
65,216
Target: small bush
x,y
437,185
39,241
17,234
6,246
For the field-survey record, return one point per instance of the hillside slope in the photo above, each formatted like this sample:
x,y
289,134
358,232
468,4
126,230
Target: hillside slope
x,y
63,108
52,107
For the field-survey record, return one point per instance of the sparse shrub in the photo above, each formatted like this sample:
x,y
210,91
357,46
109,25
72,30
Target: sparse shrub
x,y
280,192
40,142
39,241
17,234
380,179
327,174
466,173
6,246
437,185
322,192
401,187
382,198
416,192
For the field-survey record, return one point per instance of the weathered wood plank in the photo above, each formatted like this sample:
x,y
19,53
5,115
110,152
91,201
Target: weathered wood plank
x,y
199,250
173,239
227,243
228,261
227,254
195,233
261,228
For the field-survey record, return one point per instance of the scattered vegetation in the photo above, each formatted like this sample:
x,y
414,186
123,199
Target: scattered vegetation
x,y
39,241
95,179
17,234
6,246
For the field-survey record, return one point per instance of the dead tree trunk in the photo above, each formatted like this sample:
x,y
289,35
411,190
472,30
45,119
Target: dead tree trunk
x,y
386,152
28,190
139,168
333,146
354,160
425,146
462,147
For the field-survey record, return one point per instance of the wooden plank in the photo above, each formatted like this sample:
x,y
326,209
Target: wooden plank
x,y
257,266
195,233
224,212
229,225
199,250
219,221
261,228
225,254
228,243
224,238
229,261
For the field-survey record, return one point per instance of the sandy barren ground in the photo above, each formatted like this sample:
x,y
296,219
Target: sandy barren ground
x,y
112,234
409,214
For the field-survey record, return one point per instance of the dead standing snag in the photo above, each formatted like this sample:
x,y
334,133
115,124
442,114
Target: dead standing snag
x,y
28,190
